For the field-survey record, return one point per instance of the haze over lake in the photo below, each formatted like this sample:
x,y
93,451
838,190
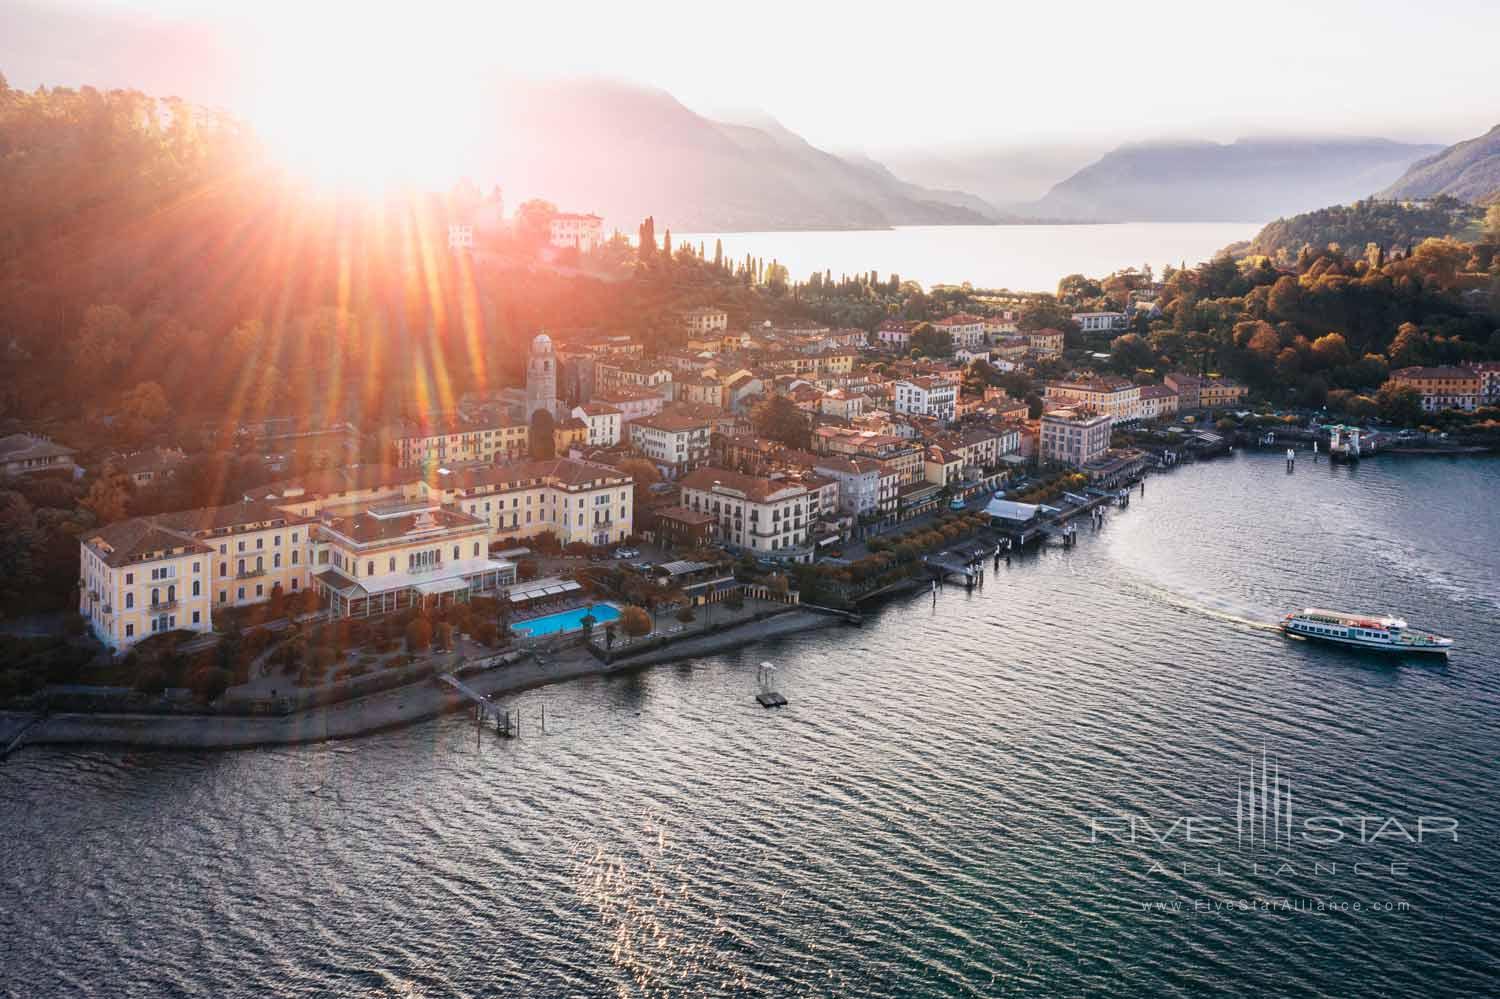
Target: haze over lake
x,y
1018,257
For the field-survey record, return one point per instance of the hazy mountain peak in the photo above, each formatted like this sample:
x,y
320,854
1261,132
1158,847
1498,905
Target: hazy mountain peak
x,y
1251,179
1469,170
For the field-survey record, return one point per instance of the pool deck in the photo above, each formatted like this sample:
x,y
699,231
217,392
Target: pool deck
x,y
524,627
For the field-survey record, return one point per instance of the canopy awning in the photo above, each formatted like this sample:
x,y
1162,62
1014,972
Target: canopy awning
x,y
433,587
1010,510
541,589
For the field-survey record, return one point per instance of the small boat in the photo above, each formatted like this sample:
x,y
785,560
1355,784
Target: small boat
x,y
1363,631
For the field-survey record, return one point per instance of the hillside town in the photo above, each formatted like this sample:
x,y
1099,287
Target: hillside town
x,y
780,442
776,442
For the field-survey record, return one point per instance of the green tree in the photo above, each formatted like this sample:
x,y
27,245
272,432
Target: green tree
x,y
533,222
542,441
929,341
1130,352
1399,404
779,419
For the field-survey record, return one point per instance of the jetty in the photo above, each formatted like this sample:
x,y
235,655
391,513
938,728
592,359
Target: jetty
x,y
486,706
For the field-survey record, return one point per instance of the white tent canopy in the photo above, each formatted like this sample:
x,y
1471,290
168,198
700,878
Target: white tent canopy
x,y
1010,510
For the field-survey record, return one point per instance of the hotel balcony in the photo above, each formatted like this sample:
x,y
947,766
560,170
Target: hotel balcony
x,y
163,605
249,573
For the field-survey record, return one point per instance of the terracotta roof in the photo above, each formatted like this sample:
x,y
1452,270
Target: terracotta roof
x,y
551,471
755,487
684,515
366,524
674,421
137,539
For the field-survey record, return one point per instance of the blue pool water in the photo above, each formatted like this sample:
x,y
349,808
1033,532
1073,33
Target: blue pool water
x,y
571,620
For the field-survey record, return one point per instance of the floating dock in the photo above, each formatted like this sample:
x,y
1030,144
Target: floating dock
x,y
767,695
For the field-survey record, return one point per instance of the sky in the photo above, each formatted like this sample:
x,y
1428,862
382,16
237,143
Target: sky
x,y
845,76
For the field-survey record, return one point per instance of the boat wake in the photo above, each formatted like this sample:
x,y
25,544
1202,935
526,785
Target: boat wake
x,y
1219,608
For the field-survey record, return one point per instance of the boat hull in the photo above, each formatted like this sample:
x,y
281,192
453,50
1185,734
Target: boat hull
x,y
1388,648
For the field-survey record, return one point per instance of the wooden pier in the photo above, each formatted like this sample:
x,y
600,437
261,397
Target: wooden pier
x,y
485,706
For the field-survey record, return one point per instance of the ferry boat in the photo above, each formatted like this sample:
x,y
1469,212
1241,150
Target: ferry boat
x,y
1363,631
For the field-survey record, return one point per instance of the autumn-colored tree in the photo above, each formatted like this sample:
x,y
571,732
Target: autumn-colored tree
x,y
108,498
1331,351
635,621
418,635
645,475
1410,346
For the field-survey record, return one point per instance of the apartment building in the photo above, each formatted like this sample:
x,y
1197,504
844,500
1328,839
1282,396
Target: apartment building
x,y
583,232
1442,387
674,441
925,396
1045,342
705,319
858,482
604,423
633,404
1074,437
1102,322
700,390
575,500
966,331
1216,392
1157,402
768,517
447,441
145,575
895,336
843,404
137,580
1489,381
1115,397
630,373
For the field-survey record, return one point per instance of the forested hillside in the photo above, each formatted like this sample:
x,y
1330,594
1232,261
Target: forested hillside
x,y
1389,225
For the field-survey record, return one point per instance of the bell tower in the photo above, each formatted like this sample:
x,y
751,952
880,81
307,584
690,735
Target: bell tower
x,y
541,377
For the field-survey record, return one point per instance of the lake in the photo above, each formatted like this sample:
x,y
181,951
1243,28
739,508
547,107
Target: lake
x,y
945,808
1018,257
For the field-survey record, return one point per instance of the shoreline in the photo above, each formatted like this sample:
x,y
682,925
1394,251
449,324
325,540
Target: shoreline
x,y
392,709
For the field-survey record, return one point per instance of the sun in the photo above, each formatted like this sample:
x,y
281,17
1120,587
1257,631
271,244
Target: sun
x,y
371,110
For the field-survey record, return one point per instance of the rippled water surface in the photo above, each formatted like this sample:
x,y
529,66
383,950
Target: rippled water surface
x,y
916,823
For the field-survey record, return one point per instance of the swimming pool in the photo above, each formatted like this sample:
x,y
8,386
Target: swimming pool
x,y
556,624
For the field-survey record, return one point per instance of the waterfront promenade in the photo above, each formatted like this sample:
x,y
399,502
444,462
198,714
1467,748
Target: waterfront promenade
x,y
389,709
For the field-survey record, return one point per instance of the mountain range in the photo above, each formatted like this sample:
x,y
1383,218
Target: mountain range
x,y
1246,180
1468,170
625,152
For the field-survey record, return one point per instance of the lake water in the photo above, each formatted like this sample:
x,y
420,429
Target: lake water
x,y
1018,257
917,822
